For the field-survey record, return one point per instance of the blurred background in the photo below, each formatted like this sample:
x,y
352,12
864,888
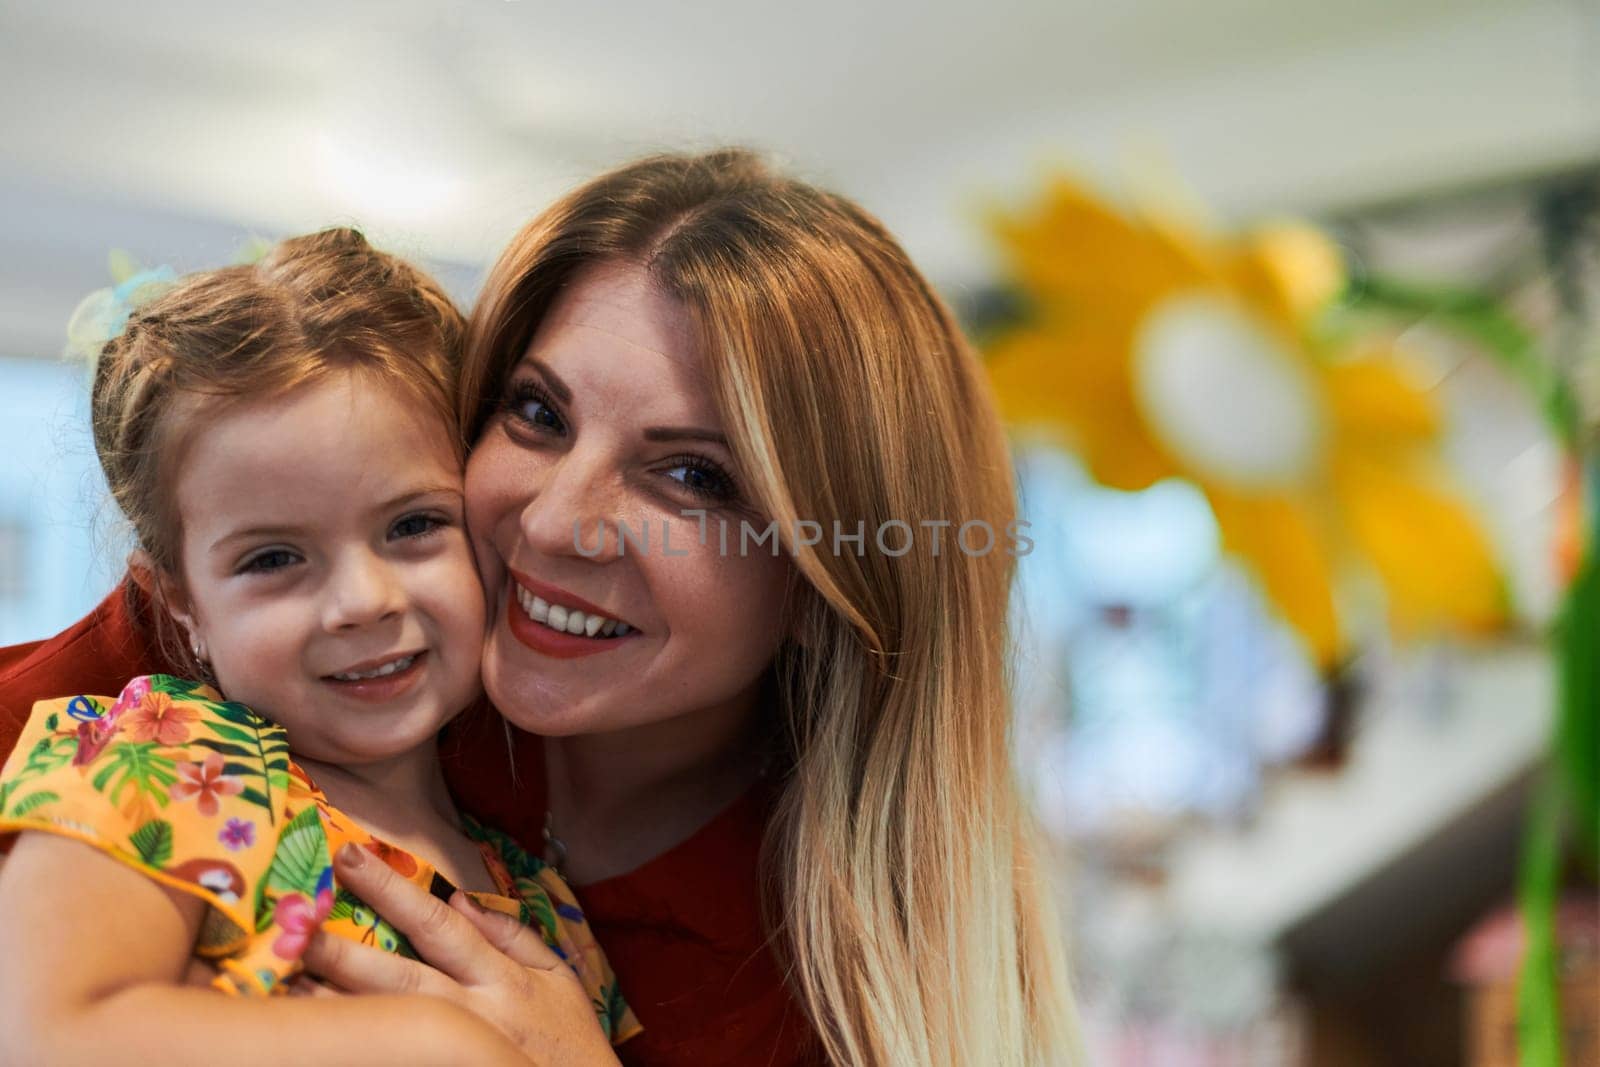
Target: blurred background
x,y
1292,306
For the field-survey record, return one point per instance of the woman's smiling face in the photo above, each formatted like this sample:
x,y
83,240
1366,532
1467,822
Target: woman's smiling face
x,y
608,422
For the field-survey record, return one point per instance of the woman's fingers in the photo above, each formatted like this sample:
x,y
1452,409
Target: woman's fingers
x,y
519,942
303,985
365,969
440,934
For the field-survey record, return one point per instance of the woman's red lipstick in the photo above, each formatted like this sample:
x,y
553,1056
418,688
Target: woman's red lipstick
x,y
549,641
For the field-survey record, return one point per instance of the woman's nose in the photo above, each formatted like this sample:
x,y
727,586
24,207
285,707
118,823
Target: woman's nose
x,y
363,590
575,511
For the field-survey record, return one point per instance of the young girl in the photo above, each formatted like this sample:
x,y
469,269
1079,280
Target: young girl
x,y
281,437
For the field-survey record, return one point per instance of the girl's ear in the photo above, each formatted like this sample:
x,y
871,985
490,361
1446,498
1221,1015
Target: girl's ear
x,y
166,593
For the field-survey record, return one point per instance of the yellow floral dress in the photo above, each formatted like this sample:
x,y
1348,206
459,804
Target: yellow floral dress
x,y
201,795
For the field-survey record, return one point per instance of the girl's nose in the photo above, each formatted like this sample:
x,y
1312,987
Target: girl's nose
x,y
363,590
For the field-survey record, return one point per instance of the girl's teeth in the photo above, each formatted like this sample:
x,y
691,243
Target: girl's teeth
x,y
386,669
568,620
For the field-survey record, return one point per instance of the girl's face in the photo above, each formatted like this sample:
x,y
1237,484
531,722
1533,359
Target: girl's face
x,y
326,570
608,422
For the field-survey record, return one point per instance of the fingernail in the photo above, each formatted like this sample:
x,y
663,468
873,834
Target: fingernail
x,y
467,902
352,857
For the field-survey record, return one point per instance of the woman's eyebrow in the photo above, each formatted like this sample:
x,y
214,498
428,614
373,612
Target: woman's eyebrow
x,y
651,433
678,433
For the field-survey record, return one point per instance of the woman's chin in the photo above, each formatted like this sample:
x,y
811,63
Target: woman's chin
x,y
526,696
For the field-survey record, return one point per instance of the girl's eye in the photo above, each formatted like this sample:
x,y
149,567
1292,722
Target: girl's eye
x,y
419,525
702,478
530,405
273,559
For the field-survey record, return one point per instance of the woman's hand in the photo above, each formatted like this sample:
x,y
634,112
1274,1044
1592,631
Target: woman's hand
x,y
488,963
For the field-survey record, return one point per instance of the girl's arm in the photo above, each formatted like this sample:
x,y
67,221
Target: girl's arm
x,y
92,954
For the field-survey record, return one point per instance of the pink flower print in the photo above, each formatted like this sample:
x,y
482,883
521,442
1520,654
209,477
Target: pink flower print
x,y
157,718
132,696
298,918
237,834
93,737
206,782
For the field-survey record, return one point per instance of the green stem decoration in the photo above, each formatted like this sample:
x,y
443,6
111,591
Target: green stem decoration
x,y
1569,791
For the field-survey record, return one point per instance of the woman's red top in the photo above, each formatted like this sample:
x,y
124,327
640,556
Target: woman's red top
x,y
683,932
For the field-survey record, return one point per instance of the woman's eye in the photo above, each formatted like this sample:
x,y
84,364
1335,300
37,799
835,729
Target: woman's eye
x,y
415,526
703,478
528,404
274,559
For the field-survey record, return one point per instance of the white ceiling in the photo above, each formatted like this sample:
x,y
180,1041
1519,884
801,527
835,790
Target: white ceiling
x,y
442,126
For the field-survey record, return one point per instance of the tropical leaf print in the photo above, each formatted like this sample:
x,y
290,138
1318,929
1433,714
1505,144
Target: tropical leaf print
x,y
255,750
54,750
49,754
137,765
345,904
301,859
374,930
153,842
537,911
609,1006
176,687
33,800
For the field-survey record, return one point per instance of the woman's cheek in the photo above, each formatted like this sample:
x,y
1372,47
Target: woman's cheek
x,y
494,499
742,599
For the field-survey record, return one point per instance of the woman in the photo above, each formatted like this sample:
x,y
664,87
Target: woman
x,y
680,367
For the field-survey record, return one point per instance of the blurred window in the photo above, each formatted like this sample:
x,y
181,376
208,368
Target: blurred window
x,y
56,558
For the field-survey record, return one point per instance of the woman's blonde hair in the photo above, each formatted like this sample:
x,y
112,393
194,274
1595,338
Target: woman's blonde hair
x,y
313,304
914,903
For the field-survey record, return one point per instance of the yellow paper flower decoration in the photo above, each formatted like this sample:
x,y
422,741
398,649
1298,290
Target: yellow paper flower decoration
x,y
1162,352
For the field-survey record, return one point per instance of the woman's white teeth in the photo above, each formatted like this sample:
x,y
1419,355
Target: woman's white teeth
x,y
568,620
379,672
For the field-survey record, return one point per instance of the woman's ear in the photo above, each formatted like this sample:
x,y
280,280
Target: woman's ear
x,y
166,593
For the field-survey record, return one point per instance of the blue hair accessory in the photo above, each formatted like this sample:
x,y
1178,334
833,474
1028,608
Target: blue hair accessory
x,y
102,314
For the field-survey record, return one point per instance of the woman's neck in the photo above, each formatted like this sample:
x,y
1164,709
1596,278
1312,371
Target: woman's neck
x,y
618,800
